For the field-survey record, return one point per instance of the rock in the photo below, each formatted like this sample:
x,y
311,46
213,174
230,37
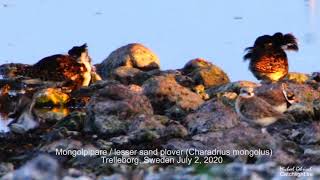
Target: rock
x,y
113,177
102,144
250,171
73,122
51,96
200,90
217,117
311,134
164,93
120,140
5,168
303,92
87,163
111,107
204,72
13,69
311,156
63,144
51,114
175,112
284,158
240,137
132,55
296,77
148,128
109,125
316,109
128,75
75,174
144,128
40,168
135,88
186,81
301,112
174,130
196,64
180,144
230,87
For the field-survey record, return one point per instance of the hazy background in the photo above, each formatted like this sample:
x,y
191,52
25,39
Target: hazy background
x,y
176,30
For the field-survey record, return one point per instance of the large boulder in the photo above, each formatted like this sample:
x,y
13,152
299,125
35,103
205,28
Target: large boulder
x,y
132,55
111,106
205,73
166,95
212,116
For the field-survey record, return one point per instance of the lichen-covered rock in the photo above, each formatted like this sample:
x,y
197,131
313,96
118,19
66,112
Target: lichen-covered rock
x,y
144,129
39,168
301,112
51,96
73,122
230,87
132,55
303,92
111,106
211,116
311,134
204,72
164,93
296,77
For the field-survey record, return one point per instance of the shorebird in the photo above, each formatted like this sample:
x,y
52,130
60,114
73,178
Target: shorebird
x,y
74,68
268,60
255,110
276,95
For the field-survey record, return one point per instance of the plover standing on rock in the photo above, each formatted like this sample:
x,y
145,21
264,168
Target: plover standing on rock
x,y
255,110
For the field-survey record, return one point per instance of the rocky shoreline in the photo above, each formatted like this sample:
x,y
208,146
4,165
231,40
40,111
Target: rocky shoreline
x,y
137,106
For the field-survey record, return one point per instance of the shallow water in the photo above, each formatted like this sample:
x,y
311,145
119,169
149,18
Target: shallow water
x,y
4,121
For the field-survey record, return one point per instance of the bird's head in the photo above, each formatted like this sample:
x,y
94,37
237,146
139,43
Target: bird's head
x,y
80,53
246,92
285,41
263,42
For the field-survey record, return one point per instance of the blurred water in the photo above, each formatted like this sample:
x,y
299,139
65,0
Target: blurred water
x,y
4,121
176,30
